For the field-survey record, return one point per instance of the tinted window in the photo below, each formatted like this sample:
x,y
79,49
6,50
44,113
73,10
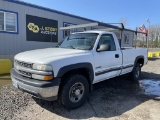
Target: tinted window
x,y
8,21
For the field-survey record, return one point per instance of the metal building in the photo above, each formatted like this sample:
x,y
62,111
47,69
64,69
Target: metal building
x,y
24,26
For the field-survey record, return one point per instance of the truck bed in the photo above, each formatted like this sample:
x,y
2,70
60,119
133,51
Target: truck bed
x,y
129,56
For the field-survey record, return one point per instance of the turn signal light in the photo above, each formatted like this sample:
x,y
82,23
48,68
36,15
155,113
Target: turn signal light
x,y
41,77
48,77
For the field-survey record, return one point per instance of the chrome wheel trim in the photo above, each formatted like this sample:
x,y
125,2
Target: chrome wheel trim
x,y
76,92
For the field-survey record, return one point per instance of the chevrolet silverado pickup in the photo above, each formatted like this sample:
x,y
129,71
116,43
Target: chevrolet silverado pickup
x,y
68,72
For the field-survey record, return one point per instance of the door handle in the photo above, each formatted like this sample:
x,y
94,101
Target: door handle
x,y
116,55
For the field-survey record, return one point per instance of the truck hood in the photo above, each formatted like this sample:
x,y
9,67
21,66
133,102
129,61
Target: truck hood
x,y
47,55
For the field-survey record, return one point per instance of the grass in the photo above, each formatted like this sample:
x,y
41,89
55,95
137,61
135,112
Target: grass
x,y
5,79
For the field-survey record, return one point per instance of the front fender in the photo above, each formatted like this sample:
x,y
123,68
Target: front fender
x,y
68,68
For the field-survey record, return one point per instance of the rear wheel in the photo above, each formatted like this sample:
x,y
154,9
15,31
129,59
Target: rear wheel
x,y
74,91
135,74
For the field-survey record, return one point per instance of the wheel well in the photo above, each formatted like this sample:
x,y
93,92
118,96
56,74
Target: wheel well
x,y
140,61
83,71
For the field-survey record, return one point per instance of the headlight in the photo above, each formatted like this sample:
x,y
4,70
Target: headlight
x,y
42,67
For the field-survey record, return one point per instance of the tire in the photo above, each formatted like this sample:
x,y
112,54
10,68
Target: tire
x,y
74,91
136,72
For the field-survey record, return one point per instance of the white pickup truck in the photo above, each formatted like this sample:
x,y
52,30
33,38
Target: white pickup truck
x,y
68,72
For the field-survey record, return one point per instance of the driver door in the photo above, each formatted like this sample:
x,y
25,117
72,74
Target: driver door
x,y
107,63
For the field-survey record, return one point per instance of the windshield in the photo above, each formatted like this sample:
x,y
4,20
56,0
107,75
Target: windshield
x,y
82,41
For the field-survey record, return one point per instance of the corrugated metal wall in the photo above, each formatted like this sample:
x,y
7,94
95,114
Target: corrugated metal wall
x,y
11,44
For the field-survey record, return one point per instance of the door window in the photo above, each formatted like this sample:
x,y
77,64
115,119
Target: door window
x,y
107,39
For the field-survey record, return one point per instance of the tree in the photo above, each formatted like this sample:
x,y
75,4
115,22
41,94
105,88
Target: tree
x,y
154,39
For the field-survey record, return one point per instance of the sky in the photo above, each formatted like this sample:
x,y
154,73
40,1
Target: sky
x,y
136,12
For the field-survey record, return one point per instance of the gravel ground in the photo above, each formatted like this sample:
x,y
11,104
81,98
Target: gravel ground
x,y
114,99
12,101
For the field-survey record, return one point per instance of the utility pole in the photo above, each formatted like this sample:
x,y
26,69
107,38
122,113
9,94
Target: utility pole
x,y
148,32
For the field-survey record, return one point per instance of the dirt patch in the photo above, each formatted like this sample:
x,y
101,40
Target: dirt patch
x,y
117,98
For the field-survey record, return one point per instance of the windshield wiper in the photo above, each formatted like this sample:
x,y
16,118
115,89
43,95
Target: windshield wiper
x,y
71,47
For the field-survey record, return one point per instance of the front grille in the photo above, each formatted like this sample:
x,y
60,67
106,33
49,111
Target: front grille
x,y
27,74
23,64
19,64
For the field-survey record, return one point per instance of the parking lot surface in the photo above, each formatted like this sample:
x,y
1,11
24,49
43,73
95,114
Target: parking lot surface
x,y
113,99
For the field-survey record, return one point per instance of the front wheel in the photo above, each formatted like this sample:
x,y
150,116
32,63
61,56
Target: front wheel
x,y
74,91
135,74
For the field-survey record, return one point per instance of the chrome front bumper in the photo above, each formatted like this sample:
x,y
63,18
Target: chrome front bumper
x,y
47,90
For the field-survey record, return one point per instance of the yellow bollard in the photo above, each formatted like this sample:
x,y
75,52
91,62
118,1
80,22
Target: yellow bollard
x,y
149,54
157,54
153,54
5,66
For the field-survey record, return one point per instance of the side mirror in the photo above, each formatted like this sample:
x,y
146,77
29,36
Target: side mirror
x,y
104,47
